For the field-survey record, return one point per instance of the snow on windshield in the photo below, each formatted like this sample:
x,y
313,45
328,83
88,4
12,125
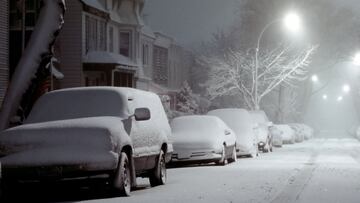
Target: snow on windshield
x,y
78,103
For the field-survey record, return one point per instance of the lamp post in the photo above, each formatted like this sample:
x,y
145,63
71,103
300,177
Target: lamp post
x,y
293,23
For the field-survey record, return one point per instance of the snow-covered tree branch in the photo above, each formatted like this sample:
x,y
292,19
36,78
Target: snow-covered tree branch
x,y
234,73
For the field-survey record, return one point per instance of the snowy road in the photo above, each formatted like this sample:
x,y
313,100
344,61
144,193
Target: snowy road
x,y
320,170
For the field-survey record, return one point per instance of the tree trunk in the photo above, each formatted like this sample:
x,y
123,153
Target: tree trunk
x,y
38,51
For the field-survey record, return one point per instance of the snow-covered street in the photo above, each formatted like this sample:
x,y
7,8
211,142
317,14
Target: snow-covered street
x,y
321,170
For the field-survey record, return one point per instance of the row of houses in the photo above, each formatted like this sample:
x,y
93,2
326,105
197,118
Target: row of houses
x,y
103,42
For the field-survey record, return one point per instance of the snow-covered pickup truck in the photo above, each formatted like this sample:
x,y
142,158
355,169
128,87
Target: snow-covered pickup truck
x,y
121,133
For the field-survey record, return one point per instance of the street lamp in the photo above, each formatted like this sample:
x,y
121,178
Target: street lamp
x,y
346,88
314,78
292,23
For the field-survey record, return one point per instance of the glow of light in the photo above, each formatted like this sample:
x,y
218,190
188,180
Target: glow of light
x,y
346,88
356,59
292,22
340,98
314,78
325,97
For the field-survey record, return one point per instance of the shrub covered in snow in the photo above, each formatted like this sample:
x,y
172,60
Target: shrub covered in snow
x,y
186,101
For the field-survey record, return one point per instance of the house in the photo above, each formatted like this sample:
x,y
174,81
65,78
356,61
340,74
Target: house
x,y
103,42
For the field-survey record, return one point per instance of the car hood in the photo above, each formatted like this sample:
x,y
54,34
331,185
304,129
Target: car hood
x,y
96,133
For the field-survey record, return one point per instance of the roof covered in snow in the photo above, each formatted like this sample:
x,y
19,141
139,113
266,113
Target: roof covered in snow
x,y
95,4
146,30
107,57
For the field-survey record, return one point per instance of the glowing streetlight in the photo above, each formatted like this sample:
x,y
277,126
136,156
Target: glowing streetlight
x,y
292,22
325,97
340,98
314,78
346,88
356,59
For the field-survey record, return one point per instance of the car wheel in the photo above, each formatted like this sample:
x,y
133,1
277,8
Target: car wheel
x,y
223,160
233,155
122,178
158,174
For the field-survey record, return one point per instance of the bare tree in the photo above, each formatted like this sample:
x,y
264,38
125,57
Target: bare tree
x,y
38,54
234,74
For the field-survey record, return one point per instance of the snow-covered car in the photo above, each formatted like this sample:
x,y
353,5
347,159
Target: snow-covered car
x,y
83,132
202,139
308,132
299,131
240,121
276,135
262,130
287,134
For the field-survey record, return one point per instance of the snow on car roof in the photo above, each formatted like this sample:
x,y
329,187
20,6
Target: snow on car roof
x,y
259,116
85,102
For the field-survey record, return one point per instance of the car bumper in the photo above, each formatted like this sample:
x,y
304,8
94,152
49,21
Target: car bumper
x,y
201,156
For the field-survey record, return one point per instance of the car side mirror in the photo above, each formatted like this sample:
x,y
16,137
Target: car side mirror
x,y
142,114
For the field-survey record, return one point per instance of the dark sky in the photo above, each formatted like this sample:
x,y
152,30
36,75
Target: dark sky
x,y
191,21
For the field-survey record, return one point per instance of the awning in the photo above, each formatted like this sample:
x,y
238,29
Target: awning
x,y
95,4
104,57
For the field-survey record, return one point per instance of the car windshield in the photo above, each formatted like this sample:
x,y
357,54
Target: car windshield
x,y
77,103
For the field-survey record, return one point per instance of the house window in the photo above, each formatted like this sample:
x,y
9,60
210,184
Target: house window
x,y
160,73
145,54
111,39
91,33
22,20
102,34
125,43
123,79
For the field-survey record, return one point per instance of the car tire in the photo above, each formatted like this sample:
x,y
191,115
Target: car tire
x,y
233,155
223,160
122,179
158,174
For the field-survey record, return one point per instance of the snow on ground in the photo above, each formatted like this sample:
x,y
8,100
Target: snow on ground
x,y
319,170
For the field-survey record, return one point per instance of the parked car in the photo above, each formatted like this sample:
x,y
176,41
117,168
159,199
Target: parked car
x,y
240,121
287,134
262,130
308,132
202,139
276,134
83,132
299,131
